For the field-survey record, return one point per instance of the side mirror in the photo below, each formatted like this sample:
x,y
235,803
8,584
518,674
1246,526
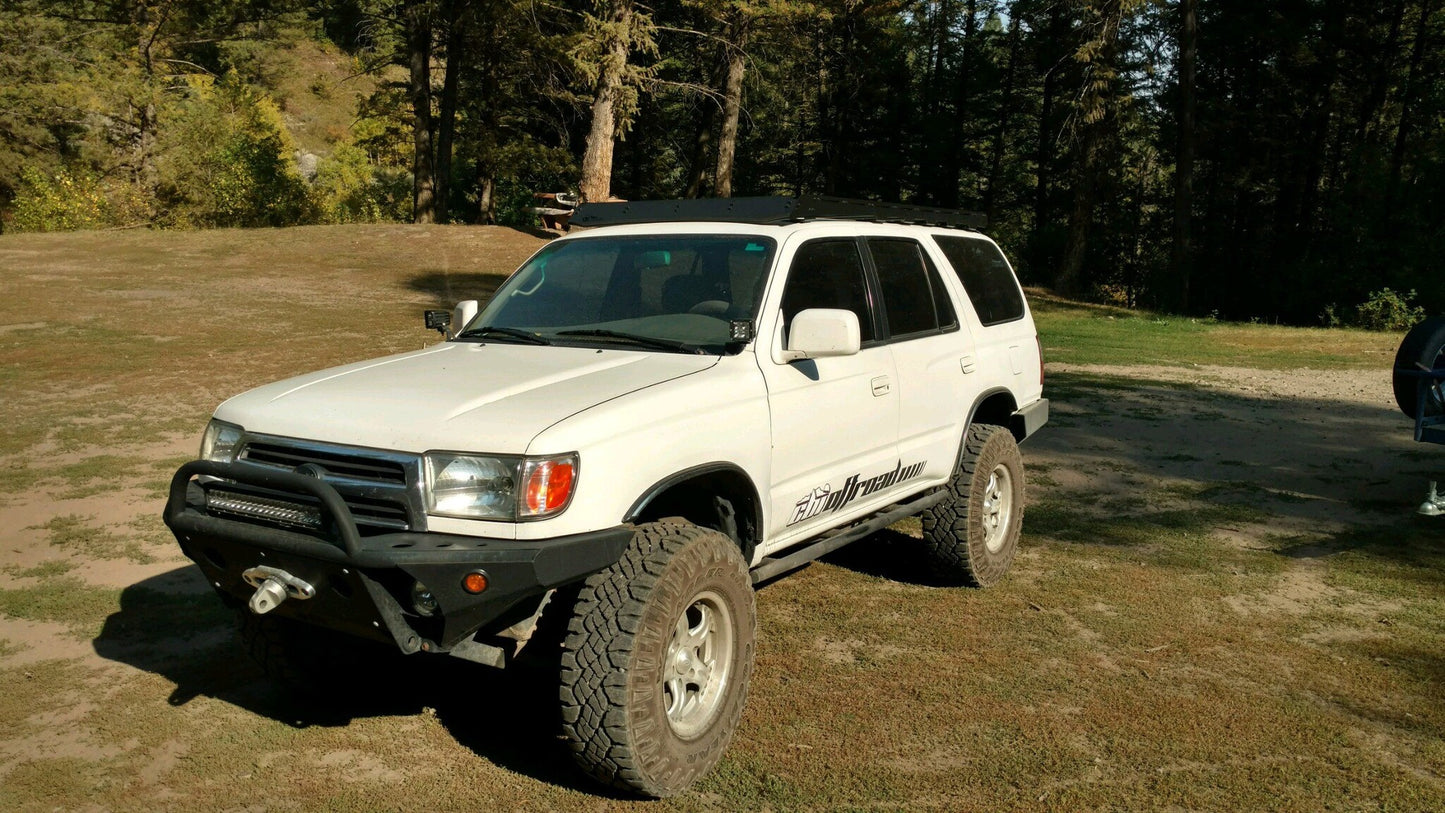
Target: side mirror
x,y
464,312
822,332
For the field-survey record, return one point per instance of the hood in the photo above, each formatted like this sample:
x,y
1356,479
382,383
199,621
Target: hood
x,y
455,396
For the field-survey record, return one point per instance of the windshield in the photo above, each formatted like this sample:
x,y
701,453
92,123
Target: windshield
x,y
677,293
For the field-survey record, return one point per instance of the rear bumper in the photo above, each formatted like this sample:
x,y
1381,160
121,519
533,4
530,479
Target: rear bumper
x,y
1030,419
363,584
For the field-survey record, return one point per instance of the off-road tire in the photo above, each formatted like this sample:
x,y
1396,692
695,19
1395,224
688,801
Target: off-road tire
x,y
309,659
957,535
616,659
1423,347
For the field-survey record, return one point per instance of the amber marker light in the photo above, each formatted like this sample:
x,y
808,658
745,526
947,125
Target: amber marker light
x,y
475,582
548,486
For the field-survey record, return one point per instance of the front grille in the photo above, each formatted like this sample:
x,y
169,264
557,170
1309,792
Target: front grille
x,y
341,464
380,488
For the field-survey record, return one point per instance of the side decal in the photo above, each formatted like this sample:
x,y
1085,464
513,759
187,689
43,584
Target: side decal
x,y
824,500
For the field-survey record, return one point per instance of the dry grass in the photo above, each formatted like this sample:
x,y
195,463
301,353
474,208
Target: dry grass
x,y
1189,625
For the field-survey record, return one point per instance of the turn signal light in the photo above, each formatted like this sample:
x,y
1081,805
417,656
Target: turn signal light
x,y
548,486
474,582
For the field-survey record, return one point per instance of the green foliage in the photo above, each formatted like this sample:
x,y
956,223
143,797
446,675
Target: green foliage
x,y
527,168
226,160
349,188
58,202
1388,310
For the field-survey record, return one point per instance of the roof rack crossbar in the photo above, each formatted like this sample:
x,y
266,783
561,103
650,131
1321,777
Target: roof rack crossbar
x,y
772,211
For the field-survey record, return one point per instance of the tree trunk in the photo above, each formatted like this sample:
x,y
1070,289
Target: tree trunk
x,y
1384,72
1184,166
937,123
1081,218
486,204
1407,107
701,148
962,90
1044,157
486,134
144,144
732,106
418,40
597,159
1095,110
1005,108
446,128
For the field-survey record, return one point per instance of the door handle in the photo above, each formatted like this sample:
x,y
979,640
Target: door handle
x,y
880,386
967,364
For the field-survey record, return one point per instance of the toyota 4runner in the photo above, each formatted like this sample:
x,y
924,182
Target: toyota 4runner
x,y
643,422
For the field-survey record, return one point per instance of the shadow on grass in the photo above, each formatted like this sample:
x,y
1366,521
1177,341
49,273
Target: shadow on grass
x,y
447,288
169,626
1191,458
1408,552
890,555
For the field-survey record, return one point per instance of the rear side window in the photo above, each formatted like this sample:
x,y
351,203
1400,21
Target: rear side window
x,y
828,274
986,277
910,287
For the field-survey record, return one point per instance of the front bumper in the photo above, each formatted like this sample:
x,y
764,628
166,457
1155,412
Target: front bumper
x,y
363,583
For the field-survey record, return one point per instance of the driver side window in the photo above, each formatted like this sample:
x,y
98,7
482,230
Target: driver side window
x,y
828,274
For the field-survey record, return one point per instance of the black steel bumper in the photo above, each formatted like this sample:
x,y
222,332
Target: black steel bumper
x,y
363,583
1030,419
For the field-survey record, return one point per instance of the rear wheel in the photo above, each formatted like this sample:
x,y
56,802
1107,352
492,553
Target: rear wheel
x,y
1423,348
973,534
656,663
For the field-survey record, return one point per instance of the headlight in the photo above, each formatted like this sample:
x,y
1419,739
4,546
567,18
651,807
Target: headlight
x,y
221,441
505,488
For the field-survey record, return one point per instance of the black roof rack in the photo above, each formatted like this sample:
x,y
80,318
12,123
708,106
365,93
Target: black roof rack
x,y
771,211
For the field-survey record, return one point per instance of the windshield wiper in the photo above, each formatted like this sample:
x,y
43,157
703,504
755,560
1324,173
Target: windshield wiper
x,y
509,332
642,341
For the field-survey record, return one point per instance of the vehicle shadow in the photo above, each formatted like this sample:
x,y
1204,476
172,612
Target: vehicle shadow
x,y
447,288
1123,453
891,555
174,626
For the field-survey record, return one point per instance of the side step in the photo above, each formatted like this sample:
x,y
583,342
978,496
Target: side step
x,y
772,566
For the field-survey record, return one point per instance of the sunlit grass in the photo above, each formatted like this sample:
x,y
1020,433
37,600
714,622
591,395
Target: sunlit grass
x,y
1092,334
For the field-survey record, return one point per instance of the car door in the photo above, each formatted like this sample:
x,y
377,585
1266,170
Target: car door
x,y
933,357
834,420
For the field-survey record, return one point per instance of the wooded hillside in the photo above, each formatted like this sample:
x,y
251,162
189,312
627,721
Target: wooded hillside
x,y
1272,161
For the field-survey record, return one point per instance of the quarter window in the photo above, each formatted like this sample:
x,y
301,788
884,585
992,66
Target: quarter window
x,y
986,277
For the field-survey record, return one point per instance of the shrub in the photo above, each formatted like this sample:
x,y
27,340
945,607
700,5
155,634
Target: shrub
x,y
64,200
349,188
1387,310
227,160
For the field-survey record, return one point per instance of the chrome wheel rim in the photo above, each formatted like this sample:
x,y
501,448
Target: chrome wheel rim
x,y
997,508
699,665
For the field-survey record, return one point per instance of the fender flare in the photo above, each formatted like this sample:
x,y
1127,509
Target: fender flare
x,y
692,473
973,410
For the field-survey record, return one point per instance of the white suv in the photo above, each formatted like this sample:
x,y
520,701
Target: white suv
x,y
644,421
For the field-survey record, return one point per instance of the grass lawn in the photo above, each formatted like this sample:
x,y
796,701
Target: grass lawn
x,y
1222,601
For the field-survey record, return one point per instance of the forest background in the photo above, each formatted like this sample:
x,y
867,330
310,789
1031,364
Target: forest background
x,y
1274,161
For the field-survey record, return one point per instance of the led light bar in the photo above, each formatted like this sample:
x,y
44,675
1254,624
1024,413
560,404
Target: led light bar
x,y
263,508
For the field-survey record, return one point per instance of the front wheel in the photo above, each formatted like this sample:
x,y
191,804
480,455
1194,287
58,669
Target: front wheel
x,y
656,663
973,534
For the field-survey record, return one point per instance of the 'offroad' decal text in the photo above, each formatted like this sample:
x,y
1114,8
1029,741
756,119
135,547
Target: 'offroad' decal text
x,y
824,499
